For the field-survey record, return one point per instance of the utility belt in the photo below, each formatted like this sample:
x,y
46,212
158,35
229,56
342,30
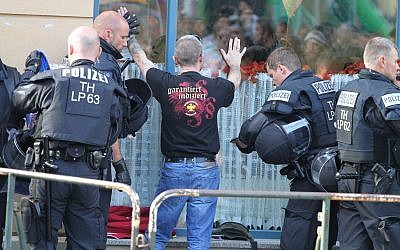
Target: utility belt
x,y
71,152
383,175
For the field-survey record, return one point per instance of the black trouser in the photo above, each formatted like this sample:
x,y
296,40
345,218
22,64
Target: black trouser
x,y
76,206
299,230
358,221
105,200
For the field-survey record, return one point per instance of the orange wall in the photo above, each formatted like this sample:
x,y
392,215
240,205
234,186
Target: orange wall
x,y
40,24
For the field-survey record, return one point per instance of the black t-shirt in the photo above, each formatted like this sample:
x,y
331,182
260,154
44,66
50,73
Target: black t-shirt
x,y
189,104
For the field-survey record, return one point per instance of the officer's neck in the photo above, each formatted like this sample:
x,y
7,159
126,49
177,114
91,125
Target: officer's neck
x,y
78,62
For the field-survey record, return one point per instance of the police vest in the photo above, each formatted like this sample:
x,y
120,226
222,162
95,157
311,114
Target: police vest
x,y
81,106
286,100
357,142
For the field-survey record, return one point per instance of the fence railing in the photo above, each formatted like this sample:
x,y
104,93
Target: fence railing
x,y
12,173
325,197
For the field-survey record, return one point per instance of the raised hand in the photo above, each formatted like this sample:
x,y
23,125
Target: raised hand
x,y
132,20
234,56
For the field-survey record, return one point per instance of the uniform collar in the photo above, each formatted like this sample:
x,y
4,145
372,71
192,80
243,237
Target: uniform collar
x,y
298,74
81,62
373,75
109,49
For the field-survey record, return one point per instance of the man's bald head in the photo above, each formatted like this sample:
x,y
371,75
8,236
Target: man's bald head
x,y
113,28
109,20
83,43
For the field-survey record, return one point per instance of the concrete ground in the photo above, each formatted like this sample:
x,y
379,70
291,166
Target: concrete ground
x,y
179,243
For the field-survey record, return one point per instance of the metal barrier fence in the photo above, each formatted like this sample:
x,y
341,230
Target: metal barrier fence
x,y
12,173
325,197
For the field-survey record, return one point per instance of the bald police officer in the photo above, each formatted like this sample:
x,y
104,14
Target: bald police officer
x,y
79,113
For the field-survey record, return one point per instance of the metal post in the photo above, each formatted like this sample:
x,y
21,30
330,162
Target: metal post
x,y
326,197
66,179
21,232
9,212
96,8
326,206
172,9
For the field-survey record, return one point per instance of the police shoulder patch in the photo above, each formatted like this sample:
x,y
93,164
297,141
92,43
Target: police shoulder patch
x,y
347,99
323,87
391,99
280,95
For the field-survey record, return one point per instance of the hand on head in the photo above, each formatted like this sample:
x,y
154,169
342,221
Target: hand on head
x,y
132,20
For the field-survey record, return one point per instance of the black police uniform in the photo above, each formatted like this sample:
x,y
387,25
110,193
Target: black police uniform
x,y
108,64
9,77
304,95
367,117
79,112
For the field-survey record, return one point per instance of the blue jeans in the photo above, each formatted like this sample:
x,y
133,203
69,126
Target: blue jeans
x,y
200,210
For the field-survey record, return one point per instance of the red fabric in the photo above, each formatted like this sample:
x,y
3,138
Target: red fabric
x,y
120,219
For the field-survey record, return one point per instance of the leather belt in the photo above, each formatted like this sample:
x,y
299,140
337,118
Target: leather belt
x,y
190,159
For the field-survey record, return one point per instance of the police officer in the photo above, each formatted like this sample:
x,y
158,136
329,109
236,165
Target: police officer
x,y
368,125
9,77
305,102
113,30
79,117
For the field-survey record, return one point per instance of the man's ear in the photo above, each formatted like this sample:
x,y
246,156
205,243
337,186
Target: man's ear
x,y
175,60
70,49
281,68
100,50
382,61
107,34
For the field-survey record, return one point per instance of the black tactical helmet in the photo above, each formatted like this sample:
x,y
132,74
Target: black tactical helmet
x,y
284,140
324,169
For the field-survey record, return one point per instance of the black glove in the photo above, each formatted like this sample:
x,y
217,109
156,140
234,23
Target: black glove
x,y
33,61
121,172
133,22
244,148
25,140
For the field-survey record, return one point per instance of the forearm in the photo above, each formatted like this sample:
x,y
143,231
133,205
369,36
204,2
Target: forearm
x,y
139,56
235,76
116,152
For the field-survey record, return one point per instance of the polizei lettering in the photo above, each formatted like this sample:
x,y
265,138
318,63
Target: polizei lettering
x,y
323,87
347,99
280,95
84,73
391,99
82,87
